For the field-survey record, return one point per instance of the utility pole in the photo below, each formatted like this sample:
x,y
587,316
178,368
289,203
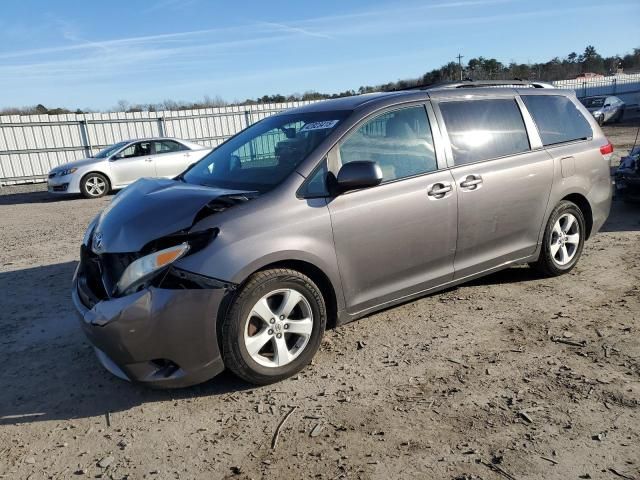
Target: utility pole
x,y
460,57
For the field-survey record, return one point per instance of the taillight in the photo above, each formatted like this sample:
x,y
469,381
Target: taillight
x,y
606,149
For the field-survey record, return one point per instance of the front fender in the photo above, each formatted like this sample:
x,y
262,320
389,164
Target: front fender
x,y
300,231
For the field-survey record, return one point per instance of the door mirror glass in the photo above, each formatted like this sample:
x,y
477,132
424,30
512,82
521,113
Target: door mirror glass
x,y
359,174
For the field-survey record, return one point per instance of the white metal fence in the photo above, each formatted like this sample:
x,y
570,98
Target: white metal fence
x,y
627,87
32,145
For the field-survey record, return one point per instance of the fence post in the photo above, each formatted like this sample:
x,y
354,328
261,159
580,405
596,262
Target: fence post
x,y
161,127
86,142
615,82
247,119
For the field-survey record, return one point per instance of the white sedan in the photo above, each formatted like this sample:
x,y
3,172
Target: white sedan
x,y
123,163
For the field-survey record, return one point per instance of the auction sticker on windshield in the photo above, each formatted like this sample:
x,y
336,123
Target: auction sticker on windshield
x,y
319,125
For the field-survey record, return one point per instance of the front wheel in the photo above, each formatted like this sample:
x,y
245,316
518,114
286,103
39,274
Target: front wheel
x,y
94,185
563,240
273,327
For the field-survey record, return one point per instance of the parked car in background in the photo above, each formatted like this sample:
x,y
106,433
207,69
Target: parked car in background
x,y
627,176
328,212
123,163
604,109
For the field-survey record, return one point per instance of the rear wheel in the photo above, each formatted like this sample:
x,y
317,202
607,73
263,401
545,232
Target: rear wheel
x,y
273,327
94,185
563,240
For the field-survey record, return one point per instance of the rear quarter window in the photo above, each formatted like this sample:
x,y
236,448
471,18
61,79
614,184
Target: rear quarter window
x,y
557,118
484,129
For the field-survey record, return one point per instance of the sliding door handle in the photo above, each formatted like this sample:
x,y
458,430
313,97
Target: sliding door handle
x,y
471,182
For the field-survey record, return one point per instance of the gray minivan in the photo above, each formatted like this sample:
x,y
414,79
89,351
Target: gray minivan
x,y
323,214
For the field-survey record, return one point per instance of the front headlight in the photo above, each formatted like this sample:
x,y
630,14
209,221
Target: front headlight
x,y
68,171
143,268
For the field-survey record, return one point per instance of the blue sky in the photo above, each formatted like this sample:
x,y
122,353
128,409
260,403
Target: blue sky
x,y
92,54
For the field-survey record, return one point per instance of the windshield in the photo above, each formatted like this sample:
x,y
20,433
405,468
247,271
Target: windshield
x,y
107,152
593,102
263,155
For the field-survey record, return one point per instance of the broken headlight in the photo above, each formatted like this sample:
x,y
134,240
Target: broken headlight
x,y
143,268
158,254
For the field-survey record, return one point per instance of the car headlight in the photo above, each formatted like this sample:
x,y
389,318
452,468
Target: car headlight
x,y
143,268
68,171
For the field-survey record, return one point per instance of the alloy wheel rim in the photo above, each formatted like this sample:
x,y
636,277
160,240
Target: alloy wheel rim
x,y
95,186
278,328
564,239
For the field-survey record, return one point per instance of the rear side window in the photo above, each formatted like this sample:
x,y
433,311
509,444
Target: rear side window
x,y
168,146
557,118
484,129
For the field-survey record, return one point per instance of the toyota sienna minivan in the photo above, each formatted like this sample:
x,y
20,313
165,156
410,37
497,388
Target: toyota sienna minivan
x,y
325,213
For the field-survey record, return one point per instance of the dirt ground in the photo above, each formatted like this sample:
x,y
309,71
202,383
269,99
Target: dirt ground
x,y
513,376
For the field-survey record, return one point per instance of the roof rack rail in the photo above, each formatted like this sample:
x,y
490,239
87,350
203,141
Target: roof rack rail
x,y
490,83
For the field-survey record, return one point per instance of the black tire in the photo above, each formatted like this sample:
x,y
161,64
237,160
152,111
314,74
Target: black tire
x,y
234,351
89,183
600,121
547,264
620,116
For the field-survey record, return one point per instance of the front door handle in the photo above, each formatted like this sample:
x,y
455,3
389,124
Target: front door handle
x,y
471,182
439,190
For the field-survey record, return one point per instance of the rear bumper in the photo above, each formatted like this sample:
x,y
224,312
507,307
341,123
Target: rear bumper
x,y
600,198
160,337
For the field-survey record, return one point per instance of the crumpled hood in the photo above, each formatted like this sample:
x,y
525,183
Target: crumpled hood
x,y
149,209
78,164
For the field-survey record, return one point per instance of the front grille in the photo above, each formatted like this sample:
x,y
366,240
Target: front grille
x,y
98,274
61,188
112,266
90,276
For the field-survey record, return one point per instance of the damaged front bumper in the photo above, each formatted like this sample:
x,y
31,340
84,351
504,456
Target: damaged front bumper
x,y
157,336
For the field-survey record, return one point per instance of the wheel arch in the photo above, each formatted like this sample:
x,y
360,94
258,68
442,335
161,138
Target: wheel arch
x,y
585,207
319,277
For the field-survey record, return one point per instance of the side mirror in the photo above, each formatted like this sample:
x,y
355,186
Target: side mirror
x,y
607,105
360,174
181,176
